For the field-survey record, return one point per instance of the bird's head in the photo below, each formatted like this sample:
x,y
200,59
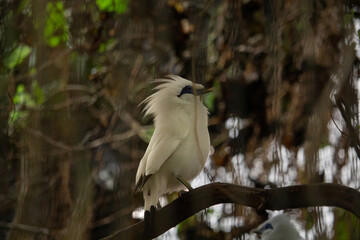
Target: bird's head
x,y
279,227
264,229
172,92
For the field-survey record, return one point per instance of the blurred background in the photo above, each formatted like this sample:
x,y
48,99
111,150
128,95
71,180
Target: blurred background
x,y
284,109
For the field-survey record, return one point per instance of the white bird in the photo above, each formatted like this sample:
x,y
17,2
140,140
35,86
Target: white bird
x,y
180,144
277,228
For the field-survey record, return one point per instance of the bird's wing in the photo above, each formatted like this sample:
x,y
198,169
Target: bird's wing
x,y
162,145
161,151
140,174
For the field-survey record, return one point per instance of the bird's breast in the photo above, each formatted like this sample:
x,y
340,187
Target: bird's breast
x,y
189,158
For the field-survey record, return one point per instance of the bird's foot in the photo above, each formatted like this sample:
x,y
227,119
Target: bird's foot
x,y
185,183
182,193
152,213
149,216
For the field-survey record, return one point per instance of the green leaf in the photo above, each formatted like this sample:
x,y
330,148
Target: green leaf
x,y
22,97
146,135
13,117
53,41
209,98
17,115
17,56
19,91
24,7
117,6
56,28
106,46
38,93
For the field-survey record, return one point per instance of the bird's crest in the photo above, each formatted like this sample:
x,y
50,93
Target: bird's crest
x,y
167,88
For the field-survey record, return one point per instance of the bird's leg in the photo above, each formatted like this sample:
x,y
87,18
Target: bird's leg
x,y
185,183
147,218
152,214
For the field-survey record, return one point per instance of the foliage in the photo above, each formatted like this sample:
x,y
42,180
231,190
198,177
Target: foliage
x,y
23,101
146,134
283,110
117,6
56,29
209,98
17,56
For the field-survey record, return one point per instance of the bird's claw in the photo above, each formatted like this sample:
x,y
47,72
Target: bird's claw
x,y
182,193
152,214
149,216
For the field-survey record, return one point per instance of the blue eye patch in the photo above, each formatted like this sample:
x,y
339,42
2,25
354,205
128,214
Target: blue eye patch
x,y
186,90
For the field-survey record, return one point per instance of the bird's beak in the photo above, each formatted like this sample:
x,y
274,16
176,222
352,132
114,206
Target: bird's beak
x,y
203,91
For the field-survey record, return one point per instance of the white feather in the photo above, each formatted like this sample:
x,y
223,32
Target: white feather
x,y
180,143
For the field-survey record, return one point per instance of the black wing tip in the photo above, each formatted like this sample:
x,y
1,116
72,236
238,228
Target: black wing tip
x,y
140,184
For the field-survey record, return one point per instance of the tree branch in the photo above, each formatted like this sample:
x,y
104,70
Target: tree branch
x,y
301,196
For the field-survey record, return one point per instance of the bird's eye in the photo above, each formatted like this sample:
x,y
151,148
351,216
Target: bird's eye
x,y
268,226
186,90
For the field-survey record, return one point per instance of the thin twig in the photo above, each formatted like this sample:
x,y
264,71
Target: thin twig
x,y
25,227
354,134
12,119
111,218
53,142
332,118
111,138
93,144
21,77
